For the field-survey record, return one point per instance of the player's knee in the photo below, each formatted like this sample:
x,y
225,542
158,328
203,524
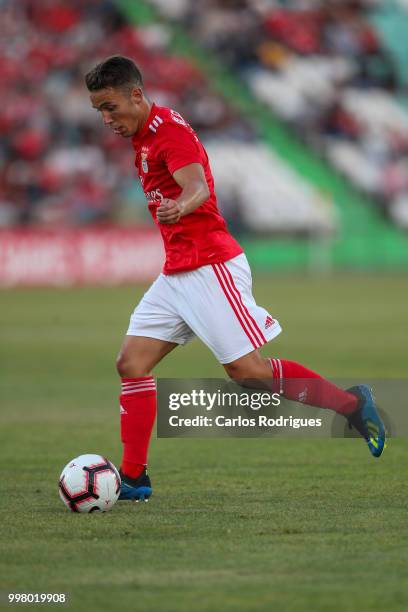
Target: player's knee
x,y
128,367
121,364
251,367
236,371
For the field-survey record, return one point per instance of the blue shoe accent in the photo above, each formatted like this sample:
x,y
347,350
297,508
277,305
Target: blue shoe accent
x,y
366,419
136,489
134,493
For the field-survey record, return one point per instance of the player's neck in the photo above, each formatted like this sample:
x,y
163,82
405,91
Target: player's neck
x,y
146,108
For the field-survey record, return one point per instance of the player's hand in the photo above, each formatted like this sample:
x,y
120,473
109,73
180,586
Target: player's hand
x,y
168,212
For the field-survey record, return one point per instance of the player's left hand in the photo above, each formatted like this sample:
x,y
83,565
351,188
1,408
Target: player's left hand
x,y
169,211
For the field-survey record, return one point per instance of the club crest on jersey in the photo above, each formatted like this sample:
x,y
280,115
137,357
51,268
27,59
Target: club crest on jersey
x,y
143,156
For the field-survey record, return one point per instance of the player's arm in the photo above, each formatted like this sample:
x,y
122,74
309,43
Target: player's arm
x,y
195,192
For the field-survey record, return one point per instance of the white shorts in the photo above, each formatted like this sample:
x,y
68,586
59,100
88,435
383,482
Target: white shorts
x,y
213,302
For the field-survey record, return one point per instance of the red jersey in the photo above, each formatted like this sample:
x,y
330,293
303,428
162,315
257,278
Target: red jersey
x,y
163,145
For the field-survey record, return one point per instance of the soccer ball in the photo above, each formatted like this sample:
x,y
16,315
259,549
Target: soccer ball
x,y
89,483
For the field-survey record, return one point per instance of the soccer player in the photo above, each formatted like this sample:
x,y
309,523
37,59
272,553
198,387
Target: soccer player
x,y
205,289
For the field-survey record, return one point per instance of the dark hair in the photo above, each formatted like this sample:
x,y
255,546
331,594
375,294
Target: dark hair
x,y
115,71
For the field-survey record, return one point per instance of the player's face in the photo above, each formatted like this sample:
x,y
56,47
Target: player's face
x,y
122,111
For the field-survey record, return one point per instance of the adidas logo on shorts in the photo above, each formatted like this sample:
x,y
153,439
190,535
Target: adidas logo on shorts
x,y
269,321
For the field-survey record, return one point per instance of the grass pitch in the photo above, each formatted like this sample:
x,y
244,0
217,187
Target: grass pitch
x,y
234,524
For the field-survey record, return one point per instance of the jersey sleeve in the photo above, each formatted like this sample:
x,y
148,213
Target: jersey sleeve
x,y
178,147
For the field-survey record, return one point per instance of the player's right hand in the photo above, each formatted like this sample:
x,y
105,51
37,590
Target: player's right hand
x,y
168,212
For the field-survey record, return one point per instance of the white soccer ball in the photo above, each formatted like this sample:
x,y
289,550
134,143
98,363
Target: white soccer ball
x,y
89,483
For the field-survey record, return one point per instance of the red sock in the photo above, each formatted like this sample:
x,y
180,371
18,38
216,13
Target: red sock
x,y
137,415
295,382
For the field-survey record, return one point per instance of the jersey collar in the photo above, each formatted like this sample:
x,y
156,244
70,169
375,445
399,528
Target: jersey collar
x,y
136,138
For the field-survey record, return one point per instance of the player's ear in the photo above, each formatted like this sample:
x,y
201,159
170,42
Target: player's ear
x,y
137,95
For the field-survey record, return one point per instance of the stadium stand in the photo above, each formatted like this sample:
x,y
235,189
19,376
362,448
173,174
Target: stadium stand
x,y
326,69
273,198
61,168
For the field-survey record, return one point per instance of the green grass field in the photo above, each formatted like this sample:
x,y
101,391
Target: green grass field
x,y
234,524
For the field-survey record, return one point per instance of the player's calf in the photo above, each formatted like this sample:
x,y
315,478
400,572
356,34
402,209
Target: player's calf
x,y
296,382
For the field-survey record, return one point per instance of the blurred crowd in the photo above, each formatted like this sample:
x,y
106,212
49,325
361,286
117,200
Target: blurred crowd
x,y
58,165
324,68
320,66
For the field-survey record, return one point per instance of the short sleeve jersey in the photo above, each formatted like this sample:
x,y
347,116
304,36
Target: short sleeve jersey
x,y
165,144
